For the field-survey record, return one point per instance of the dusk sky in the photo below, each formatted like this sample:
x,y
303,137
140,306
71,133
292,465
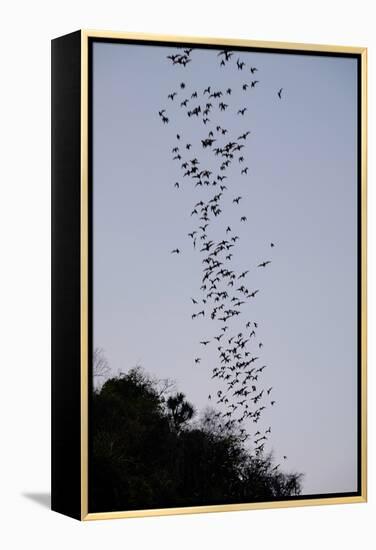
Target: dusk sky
x,y
299,193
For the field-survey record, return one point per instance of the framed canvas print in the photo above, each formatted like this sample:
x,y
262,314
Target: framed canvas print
x,y
208,275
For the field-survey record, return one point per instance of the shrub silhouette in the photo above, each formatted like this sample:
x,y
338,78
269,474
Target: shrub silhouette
x,y
146,452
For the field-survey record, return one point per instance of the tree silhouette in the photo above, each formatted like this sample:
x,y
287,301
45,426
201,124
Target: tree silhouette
x,y
181,411
149,451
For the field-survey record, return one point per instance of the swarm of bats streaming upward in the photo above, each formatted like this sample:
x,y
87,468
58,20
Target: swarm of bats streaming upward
x,y
224,292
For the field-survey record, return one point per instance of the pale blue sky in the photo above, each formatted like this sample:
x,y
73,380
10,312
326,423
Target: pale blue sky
x,y
300,193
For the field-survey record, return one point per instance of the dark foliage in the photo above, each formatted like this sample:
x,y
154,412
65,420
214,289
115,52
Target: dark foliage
x,y
147,453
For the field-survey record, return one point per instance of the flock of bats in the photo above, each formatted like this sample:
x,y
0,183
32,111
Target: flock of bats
x,y
225,293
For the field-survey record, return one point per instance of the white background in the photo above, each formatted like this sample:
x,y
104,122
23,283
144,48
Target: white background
x,y
27,28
